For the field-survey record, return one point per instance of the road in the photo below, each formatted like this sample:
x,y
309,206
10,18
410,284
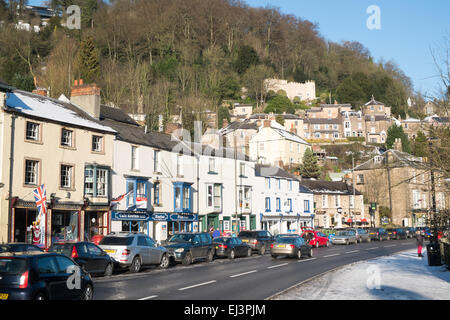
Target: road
x,y
251,278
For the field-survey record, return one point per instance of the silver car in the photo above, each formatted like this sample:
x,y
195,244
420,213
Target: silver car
x,y
134,250
361,234
345,237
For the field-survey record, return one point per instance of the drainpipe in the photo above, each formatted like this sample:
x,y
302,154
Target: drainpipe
x,y
11,167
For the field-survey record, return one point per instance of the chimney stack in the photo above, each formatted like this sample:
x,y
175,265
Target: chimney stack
x,y
40,91
87,96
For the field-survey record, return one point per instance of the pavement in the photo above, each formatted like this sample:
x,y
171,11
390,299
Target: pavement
x,y
251,278
401,276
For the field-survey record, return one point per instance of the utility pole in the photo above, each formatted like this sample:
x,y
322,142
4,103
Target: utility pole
x,y
389,181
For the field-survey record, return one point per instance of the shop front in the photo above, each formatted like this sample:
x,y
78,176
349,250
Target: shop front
x,y
131,221
23,214
171,223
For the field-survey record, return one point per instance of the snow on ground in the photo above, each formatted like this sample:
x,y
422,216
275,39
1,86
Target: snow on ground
x,y
402,276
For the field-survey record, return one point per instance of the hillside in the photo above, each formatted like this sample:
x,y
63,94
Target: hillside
x,y
155,55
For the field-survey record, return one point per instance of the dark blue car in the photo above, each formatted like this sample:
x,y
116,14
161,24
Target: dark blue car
x,y
42,276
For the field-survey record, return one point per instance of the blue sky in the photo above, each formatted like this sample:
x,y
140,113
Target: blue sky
x,y
409,30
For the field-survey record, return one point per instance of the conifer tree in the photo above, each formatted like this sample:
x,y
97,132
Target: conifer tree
x,y
88,60
309,167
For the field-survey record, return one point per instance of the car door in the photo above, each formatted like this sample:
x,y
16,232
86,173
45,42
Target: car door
x,y
99,258
241,247
206,243
48,271
154,251
143,249
196,250
72,277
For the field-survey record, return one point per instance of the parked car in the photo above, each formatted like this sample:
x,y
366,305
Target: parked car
x,y
345,237
378,234
291,247
397,233
284,235
410,232
187,247
86,254
258,240
132,250
19,247
361,234
315,239
231,247
41,276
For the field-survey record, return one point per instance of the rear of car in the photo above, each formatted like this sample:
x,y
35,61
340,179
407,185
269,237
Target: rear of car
x,y
250,238
120,247
284,246
222,246
14,275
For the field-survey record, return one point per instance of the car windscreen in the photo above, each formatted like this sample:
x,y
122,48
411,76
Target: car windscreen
x,y
13,266
248,234
342,233
182,238
221,240
116,241
286,240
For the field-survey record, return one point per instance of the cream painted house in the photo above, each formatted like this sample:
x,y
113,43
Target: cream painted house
x,y
64,147
303,91
275,146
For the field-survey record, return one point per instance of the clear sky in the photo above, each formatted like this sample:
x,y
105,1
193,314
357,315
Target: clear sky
x,y
410,29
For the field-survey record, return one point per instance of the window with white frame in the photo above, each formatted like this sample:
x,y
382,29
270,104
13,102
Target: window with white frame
x,y
67,138
214,195
97,143
245,197
212,165
278,204
66,176
31,172
134,158
324,201
32,131
337,200
96,181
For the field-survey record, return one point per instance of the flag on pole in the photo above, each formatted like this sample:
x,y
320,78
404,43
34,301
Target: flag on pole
x,y
41,204
120,200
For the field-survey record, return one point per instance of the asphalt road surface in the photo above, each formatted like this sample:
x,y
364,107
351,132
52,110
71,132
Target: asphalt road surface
x,y
251,278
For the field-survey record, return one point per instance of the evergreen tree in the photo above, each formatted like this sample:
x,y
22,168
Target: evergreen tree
x,y
88,60
309,167
420,145
394,132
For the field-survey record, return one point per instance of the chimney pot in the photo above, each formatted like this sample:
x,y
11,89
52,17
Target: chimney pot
x,y
75,83
81,82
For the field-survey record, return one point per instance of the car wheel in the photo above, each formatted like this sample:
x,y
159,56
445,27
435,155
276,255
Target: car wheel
x,y
262,250
164,262
274,256
210,256
109,270
187,260
136,265
232,255
310,253
299,254
249,252
88,293
40,296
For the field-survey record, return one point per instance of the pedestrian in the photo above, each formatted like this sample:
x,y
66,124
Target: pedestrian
x,y
419,241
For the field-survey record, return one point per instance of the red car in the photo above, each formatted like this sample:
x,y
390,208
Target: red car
x,y
315,238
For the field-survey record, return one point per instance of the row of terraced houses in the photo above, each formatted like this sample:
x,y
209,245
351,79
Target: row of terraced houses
x,y
103,172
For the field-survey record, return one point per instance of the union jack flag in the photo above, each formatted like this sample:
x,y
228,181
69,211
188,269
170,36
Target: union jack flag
x,y
120,198
41,198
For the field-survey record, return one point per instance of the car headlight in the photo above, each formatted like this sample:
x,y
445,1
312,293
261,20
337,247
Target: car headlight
x,y
179,250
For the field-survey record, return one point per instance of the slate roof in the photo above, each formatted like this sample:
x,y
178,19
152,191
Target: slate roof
x,y
263,170
399,159
328,187
373,102
54,110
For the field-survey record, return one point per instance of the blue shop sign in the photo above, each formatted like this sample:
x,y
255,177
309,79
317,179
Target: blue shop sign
x,y
130,215
173,217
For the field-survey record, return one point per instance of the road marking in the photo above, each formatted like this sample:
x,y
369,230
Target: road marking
x,y
197,285
332,255
243,274
148,298
392,245
278,265
307,260
352,251
405,244
372,248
